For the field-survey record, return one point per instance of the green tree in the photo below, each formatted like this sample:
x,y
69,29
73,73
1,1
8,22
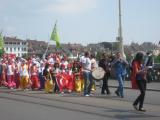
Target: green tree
x,y
1,52
157,59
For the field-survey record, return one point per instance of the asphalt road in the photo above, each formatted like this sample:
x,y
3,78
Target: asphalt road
x,y
35,105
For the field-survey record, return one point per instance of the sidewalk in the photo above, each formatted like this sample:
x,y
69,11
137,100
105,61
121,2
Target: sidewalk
x,y
153,86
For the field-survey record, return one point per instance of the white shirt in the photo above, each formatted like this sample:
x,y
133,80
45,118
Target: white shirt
x,y
65,63
10,70
81,59
94,63
24,71
86,63
51,60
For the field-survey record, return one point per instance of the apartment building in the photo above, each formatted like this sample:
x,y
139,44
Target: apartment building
x,y
12,45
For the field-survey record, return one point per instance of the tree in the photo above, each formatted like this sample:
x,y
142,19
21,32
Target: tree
x,y
1,52
157,59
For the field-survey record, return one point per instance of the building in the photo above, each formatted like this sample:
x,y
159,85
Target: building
x,y
12,45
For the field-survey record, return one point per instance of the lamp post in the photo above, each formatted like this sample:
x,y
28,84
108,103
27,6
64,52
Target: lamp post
x,y
120,38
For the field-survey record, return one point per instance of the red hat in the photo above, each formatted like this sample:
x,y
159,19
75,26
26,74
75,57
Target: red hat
x,y
69,65
62,66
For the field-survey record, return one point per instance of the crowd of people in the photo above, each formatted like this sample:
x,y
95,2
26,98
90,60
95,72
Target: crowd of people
x,y
58,74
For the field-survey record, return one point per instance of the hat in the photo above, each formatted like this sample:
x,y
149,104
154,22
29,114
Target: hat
x,y
62,66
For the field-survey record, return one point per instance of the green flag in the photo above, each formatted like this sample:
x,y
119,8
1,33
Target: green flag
x,y
1,41
55,36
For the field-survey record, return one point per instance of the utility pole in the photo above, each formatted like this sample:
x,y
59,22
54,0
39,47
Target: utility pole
x,y
120,38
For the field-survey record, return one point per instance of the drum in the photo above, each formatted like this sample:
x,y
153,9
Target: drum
x,y
98,73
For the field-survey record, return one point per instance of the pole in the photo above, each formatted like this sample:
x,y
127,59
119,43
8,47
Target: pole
x,y
120,32
44,55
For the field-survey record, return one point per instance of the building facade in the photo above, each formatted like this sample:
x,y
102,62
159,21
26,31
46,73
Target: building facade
x,y
12,45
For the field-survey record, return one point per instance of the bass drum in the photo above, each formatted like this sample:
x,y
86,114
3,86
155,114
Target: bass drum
x,y
98,73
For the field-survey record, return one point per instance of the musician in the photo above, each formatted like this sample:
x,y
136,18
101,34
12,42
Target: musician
x,y
64,61
86,69
56,71
1,69
3,76
138,77
105,64
77,73
71,80
10,74
48,79
17,74
120,65
41,78
34,76
24,82
93,66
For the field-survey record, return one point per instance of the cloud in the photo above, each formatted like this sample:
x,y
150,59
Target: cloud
x,y
70,6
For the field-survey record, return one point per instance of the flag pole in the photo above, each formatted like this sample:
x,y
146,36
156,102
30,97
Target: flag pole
x,y
44,55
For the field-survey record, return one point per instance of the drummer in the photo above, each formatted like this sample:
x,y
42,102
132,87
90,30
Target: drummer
x,y
93,62
93,66
105,64
86,69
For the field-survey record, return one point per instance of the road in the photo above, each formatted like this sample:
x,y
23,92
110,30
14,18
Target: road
x,y
36,105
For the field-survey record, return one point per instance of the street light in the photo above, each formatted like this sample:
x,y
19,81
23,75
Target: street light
x,y
120,38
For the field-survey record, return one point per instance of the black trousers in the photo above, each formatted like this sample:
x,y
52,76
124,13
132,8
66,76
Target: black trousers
x,y
140,99
105,84
56,88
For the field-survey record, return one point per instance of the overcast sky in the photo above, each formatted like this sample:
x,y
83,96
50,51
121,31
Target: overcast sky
x,y
81,21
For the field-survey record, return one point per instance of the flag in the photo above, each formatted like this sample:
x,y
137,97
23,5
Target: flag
x,y
55,36
1,41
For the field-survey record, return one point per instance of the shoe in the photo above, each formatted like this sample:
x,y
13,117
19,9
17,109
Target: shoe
x,y
122,96
108,93
86,95
141,109
117,93
135,107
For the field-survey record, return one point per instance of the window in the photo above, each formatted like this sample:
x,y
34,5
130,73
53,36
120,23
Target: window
x,y
11,49
18,50
14,49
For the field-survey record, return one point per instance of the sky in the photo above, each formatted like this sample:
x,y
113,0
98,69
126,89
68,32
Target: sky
x,y
81,21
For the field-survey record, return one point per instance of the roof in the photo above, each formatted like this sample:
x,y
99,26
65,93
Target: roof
x,y
13,39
